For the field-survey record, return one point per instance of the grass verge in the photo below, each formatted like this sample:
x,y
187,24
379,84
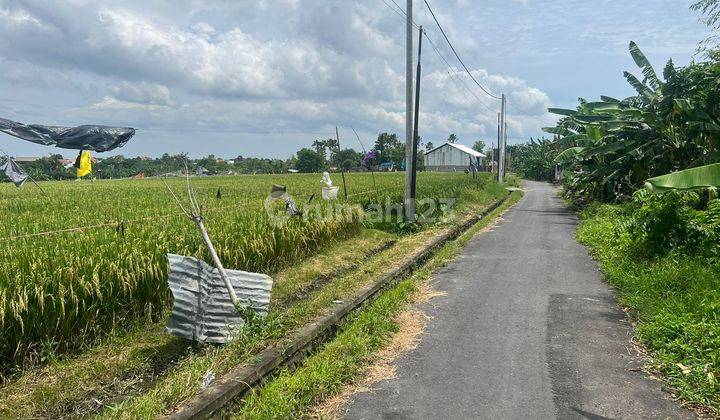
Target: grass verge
x,y
293,394
675,301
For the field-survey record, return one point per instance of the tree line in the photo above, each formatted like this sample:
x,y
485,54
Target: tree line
x,y
322,155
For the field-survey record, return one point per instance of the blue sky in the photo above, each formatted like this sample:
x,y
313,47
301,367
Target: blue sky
x,y
264,78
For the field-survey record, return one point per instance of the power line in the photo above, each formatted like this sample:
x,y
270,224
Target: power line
x,y
399,11
415,25
456,54
452,73
454,76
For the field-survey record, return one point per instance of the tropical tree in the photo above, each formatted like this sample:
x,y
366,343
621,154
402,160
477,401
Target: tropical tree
x,y
390,148
309,160
479,146
534,159
612,146
347,159
452,138
710,10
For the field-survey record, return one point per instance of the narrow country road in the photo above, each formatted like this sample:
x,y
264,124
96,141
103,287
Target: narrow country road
x,y
527,329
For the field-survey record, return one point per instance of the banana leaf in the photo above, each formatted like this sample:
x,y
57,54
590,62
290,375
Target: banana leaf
x,y
567,155
645,65
562,111
593,118
690,179
609,148
639,87
609,99
602,106
561,131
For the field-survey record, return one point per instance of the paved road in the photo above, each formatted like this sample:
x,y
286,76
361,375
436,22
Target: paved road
x,y
527,330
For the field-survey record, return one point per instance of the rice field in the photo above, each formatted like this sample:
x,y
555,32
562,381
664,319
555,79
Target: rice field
x,y
62,288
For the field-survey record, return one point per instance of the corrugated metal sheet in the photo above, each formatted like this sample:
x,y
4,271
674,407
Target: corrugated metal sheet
x,y
202,310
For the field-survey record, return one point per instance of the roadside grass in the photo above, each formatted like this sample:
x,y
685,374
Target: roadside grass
x,y
293,394
675,300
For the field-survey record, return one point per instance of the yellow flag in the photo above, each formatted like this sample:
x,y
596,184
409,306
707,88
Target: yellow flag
x,y
85,164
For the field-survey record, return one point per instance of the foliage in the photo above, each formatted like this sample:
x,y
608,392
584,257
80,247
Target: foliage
x,y
710,9
452,138
661,254
479,146
48,167
347,159
703,177
390,149
429,146
663,223
323,155
309,161
53,167
612,146
534,159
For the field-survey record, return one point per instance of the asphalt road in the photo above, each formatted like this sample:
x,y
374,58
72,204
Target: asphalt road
x,y
527,329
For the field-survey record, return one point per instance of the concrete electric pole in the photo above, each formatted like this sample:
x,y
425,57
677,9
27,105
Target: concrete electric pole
x,y
416,135
409,164
501,142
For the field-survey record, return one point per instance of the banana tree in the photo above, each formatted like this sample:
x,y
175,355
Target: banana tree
x,y
613,145
699,178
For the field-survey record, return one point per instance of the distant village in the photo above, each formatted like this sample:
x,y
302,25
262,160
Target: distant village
x,y
387,154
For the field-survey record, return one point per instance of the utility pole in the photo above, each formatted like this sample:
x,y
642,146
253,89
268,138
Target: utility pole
x,y
409,164
416,137
501,142
342,170
509,158
507,152
492,162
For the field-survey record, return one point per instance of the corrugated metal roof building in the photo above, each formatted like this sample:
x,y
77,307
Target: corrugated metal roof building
x,y
452,157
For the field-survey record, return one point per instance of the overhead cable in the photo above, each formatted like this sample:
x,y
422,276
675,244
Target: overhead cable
x,y
456,54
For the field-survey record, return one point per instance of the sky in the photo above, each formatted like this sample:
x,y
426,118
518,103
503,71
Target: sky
x,y
264,78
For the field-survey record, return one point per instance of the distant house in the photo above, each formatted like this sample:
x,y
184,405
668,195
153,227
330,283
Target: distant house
x,y
452,157
25,159
387,167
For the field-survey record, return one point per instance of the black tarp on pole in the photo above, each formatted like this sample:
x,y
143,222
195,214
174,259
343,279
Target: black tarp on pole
x,y
97,138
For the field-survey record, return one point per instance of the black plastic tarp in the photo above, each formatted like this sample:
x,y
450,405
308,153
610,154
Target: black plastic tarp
x,y
13,171
98,138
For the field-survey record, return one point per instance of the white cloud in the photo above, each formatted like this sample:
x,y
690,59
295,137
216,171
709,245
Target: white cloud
x,y
273,66
143,92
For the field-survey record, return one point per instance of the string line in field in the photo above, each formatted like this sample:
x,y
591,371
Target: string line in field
x,y
114,224
117,223
372,191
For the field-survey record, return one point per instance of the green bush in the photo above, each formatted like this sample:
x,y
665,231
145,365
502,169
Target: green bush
x,y
661,223
661,254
